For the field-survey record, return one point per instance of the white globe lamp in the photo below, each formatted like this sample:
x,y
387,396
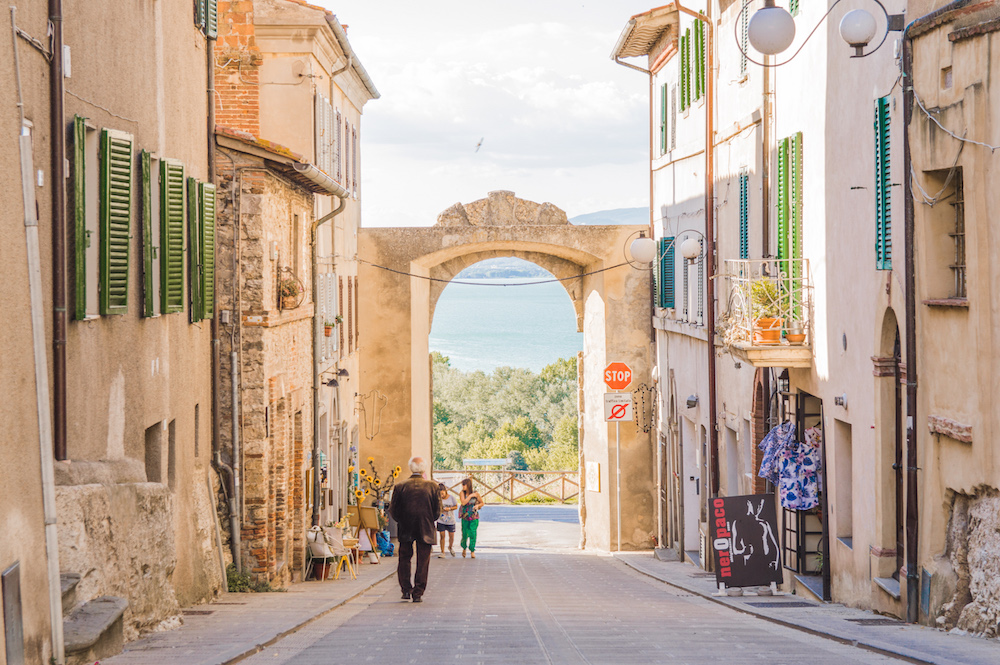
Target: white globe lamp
x,y
690,249
771,29
858,29
643,249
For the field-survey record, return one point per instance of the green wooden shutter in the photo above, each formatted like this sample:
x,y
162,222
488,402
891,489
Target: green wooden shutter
x,y
667,271
793,7
744,215
207,195
744,36
663,119
658,275
171,236
200,12
194,250
883,207
699,59
115,220
795,221
147,235
211,18
684,71
80,239
782,200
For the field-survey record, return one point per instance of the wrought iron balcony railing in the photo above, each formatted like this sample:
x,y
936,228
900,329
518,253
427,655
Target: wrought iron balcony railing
x,y
769,305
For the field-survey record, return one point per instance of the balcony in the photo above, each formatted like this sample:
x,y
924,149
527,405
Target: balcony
x,y
769,320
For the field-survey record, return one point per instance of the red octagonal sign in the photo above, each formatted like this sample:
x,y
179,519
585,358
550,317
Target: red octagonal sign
x,y
618,376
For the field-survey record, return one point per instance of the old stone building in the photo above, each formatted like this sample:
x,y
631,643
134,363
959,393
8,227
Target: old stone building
x,y
107,314
291,91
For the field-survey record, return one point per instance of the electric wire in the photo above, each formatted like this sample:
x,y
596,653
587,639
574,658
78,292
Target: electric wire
x,y
920,103
458,281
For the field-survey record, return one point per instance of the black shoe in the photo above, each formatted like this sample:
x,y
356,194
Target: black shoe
x,y
406,595
418,599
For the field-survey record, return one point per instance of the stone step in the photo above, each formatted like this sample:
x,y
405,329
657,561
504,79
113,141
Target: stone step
x,y
67,584
95,630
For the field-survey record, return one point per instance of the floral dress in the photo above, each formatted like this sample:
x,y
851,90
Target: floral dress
x,y
794,467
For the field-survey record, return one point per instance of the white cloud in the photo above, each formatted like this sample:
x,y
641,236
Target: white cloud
x,y
560,121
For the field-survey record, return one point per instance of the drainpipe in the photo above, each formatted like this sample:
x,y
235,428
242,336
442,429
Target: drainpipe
x,y
710,237
42,404
225,471
317,341
58,128
57,117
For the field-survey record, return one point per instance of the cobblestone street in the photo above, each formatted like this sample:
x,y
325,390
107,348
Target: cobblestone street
x,y
517,603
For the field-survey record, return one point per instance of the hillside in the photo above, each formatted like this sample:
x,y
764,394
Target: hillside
x,y
616,216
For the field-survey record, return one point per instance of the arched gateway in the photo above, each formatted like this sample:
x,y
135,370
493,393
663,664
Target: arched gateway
x,y
613,308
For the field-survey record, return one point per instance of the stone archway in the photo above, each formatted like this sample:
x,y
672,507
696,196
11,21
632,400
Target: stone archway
x,y
401,276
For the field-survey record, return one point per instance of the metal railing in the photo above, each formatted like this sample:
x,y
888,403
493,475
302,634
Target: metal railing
x,y
498,486
770,302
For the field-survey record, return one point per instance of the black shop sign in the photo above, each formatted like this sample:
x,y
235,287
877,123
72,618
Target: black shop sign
x,y
744,539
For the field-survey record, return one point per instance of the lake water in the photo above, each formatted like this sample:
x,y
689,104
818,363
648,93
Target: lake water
x,y
484,327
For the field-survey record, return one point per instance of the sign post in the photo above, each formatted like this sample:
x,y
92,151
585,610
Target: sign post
x,y
618,376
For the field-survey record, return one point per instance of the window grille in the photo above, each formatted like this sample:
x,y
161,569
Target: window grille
x,y
958,268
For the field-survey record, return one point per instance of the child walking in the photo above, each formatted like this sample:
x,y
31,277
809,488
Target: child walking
x,y
470,502
446,523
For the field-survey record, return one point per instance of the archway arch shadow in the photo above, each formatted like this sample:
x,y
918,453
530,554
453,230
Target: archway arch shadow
x,y
399,287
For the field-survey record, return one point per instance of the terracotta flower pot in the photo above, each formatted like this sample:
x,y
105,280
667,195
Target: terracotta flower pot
x,y
289,302
328,331
795,338
767,331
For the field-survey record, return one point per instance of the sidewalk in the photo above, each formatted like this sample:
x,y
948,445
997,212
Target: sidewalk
x,y
850,626
238,625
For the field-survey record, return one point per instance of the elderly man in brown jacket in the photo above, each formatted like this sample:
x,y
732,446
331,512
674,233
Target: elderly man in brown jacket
x,y
415,506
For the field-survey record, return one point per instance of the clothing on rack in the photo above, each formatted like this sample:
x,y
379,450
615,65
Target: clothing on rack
x,y
795,467
780,438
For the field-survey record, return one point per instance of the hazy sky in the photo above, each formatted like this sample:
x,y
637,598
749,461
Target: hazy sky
x,y
559,120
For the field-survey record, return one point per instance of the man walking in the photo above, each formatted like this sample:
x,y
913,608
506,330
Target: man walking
x,y
415,506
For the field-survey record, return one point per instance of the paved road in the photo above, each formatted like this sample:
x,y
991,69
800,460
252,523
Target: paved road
x,y
530,598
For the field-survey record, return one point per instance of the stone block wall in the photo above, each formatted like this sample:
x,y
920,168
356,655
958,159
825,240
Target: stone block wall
x,y
974,554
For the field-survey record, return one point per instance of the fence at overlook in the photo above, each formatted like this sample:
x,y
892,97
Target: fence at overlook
x,y
499,486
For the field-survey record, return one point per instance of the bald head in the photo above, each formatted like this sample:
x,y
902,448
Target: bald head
x,y
418,465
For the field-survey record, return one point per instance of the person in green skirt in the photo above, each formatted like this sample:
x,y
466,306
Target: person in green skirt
x,y
470,503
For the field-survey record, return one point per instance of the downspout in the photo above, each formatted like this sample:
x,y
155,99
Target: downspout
x,y
710,238
317,341
37,306
225,471
57,115
909,281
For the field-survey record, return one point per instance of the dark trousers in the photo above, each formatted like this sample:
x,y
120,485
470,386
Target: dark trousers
x,y
419,584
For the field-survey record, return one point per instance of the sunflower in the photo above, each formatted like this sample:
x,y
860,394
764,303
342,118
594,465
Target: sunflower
x,y
359,494
350,469
371,460
378,483
362,473
398,470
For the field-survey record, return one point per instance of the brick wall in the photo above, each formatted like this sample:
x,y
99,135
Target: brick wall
x,y
237,70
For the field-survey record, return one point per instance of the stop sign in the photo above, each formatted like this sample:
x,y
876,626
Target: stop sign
x,y
618,376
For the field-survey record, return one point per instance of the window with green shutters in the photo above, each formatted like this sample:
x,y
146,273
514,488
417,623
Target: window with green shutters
x,y
665,273
206,193
148,276
171,236
883,203
663,119
115,220
207,17
793,7
744,214
81,233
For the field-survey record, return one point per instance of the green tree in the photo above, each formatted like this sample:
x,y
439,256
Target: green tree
x,y
564,452
525,431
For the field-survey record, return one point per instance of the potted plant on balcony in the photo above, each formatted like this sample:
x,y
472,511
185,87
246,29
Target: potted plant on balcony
x,y
765,297
290,291
328,328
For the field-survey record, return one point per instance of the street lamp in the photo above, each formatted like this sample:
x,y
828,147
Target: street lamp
x,y
643,249
772,30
